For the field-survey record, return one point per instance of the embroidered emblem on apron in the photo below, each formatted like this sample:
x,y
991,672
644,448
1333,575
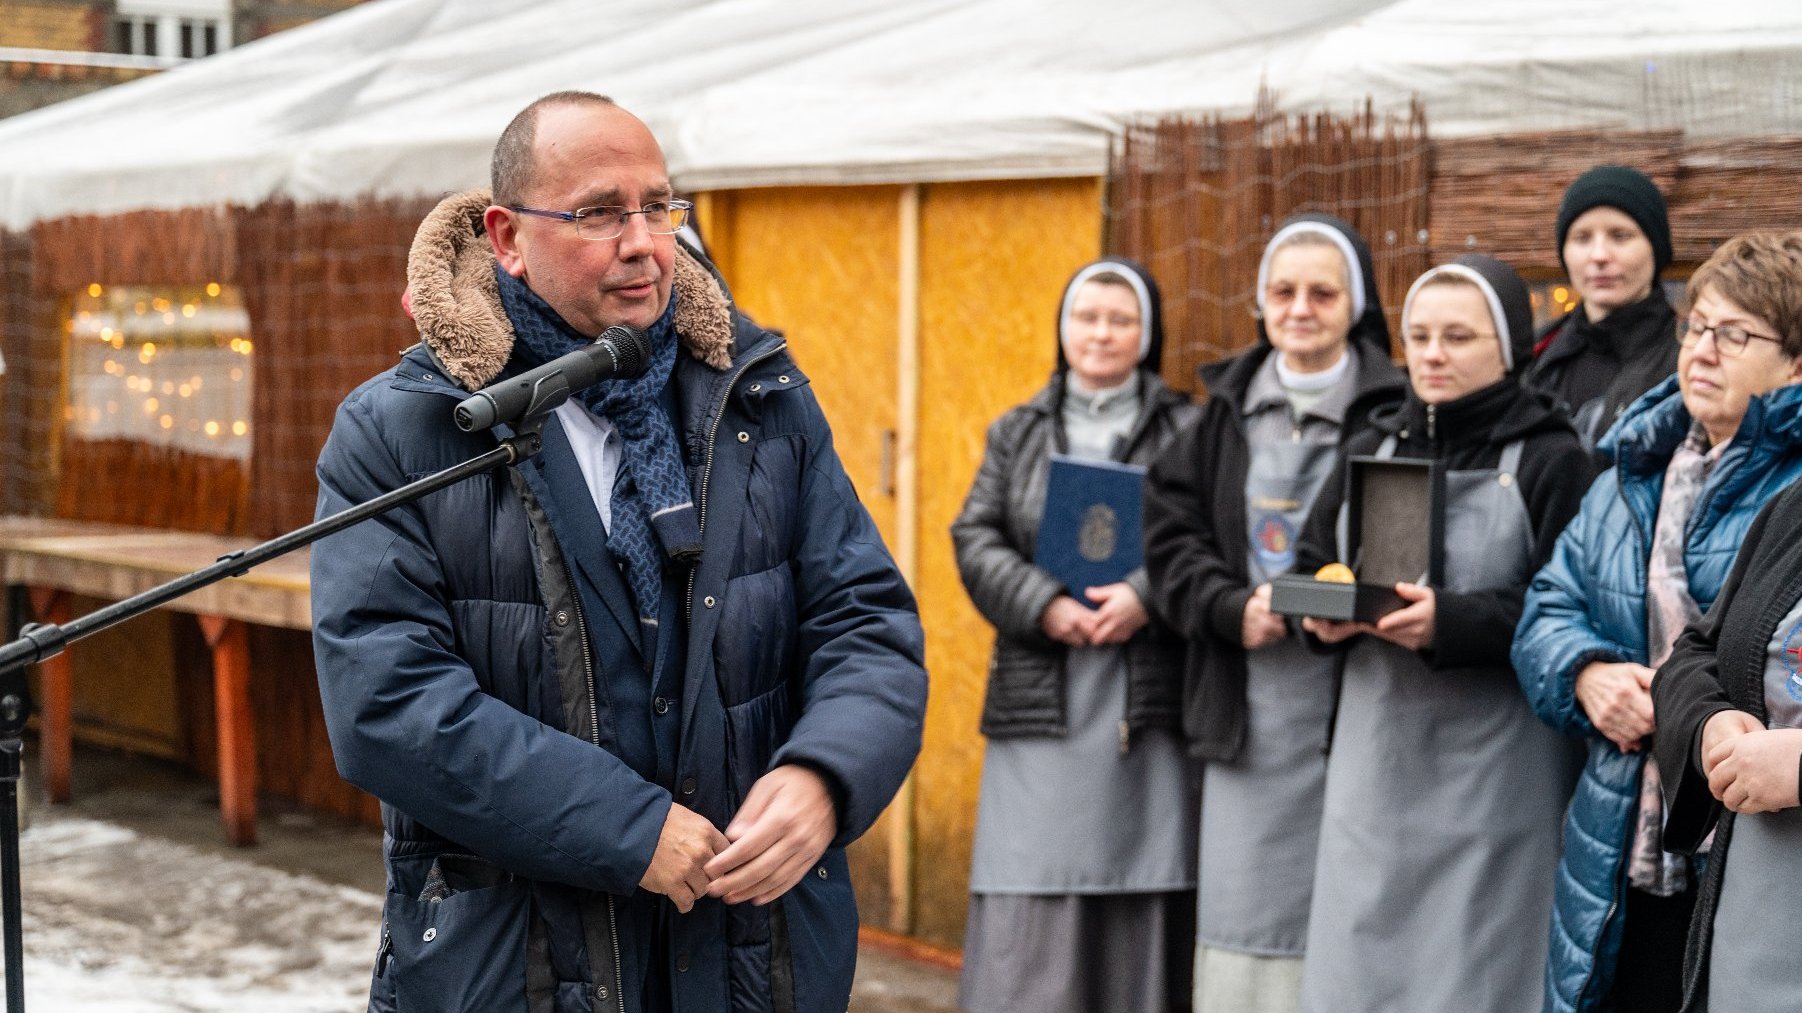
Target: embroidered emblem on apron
x,y
1275,519
1273,538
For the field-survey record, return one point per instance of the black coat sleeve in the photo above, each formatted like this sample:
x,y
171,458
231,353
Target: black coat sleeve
x,y
997,570
1477,630
1195,589
1687,691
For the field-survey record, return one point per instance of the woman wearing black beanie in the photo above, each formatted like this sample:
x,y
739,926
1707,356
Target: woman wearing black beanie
x,y
1614,239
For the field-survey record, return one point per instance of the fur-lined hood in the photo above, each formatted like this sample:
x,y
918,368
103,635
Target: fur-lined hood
x,y
457,306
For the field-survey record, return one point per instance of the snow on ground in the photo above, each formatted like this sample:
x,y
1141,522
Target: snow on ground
x,y
116,922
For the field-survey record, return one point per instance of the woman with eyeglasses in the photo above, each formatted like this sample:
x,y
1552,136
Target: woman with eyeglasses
x,y
1223,506
1694,461
1082,875
1444,793
1727,703
1614,239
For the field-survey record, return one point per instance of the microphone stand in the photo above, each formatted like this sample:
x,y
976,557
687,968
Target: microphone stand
x,y
38,642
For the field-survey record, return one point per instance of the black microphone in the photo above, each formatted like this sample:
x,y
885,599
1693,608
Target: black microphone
x,y
621,352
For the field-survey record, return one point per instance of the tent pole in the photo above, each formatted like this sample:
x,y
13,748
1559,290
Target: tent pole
x,y
907,523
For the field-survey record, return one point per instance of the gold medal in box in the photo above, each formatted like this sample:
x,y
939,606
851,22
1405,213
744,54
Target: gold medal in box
x,y
1392,525
1336,573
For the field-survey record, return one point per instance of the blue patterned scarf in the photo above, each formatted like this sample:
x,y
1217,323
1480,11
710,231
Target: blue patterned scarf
x,y
653,511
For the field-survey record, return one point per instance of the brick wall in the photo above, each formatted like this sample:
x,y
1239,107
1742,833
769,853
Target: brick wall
x,y
86,26
46,24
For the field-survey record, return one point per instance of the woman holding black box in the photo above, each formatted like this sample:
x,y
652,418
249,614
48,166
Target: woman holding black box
x,y
1444,793
1223,507
1082,873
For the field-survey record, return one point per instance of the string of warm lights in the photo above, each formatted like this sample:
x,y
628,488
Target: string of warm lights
x,y
168,365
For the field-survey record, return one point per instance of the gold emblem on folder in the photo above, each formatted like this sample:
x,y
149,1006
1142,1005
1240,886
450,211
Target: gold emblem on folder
x,y
1100,533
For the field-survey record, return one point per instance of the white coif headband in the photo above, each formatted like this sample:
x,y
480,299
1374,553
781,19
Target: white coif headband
x,y
1354,270
1132,278
1489,296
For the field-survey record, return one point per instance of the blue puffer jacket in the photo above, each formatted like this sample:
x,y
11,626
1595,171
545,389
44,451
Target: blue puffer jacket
x,y
1589,604
462,688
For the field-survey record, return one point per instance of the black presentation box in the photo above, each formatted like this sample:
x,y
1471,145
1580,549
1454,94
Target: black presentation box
x,y
1395,533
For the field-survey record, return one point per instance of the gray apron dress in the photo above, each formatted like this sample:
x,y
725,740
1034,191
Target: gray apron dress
x,y
1444,802
1079,844
1260,814
1080,814
1753,964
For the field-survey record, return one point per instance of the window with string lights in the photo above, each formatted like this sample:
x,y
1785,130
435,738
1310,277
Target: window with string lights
x,y
168,366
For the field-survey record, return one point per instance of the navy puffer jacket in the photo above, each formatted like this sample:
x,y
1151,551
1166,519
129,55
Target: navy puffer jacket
x,y
1589,604
460,689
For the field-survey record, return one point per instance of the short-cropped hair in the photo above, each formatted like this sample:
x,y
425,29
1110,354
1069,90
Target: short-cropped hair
x,y
1761,273
512,171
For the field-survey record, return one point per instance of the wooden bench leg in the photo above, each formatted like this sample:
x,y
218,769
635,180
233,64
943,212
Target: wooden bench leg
x,y
56,719
237,735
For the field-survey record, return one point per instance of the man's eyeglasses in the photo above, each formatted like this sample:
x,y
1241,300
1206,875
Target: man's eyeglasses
x,y
1729,339
607,222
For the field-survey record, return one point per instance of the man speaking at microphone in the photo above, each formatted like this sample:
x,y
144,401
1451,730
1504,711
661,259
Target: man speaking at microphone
x,y
626,703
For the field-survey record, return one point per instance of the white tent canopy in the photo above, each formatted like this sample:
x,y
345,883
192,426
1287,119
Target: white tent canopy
x,y
405,97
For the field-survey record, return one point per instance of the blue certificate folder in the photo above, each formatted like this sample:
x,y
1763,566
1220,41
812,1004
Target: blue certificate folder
x,y
1089,535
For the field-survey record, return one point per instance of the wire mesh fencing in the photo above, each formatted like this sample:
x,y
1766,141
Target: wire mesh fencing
x,y
1196,200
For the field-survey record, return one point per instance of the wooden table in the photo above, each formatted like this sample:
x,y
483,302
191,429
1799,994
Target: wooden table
x,y
55,559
